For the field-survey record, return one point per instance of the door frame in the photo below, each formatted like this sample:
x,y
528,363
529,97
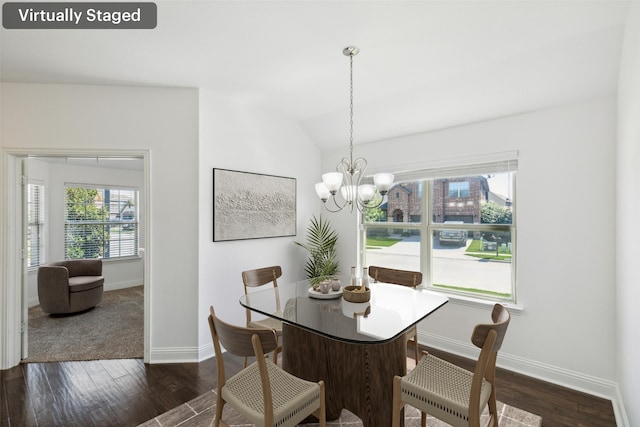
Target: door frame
x,y
11,261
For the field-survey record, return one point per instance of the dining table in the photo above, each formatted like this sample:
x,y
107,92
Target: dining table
x,y
355,348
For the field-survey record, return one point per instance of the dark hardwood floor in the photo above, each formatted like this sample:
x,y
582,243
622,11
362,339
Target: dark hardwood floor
x,y
127,392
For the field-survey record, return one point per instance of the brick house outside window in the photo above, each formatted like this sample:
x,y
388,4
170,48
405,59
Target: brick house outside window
x,y
454,199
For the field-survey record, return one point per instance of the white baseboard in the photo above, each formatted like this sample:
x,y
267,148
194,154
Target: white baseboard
x,y
122,285
205,352
174,355
33,301
563,377
183,355
619,411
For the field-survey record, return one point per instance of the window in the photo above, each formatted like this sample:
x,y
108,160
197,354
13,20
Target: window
x,y
462,246
459,189
100,222
35,227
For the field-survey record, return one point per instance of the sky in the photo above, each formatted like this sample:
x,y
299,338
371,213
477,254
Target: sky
x,y
500,184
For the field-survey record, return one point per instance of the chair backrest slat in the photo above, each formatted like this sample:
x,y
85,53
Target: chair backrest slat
x,y
261,276
397,277
237,339
501,319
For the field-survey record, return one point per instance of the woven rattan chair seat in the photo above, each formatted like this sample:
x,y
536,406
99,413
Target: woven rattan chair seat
x,y
291,395
439,387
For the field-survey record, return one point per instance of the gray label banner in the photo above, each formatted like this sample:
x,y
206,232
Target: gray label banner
x,y
42,15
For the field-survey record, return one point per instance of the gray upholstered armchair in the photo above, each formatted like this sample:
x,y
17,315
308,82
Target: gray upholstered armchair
x,y
70,286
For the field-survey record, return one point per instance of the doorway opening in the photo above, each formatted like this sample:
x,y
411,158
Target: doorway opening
x,y
52,174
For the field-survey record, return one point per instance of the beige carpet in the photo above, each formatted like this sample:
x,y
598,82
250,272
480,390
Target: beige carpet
x,y
199,413
114,329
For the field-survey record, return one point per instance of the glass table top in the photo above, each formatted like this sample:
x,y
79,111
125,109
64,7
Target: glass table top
x,y
391,311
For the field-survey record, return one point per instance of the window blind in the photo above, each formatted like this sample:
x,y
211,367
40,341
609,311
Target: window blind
x,y
463,166
35,227
100,222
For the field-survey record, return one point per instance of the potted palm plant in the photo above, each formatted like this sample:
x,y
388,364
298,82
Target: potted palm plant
x,y
321,240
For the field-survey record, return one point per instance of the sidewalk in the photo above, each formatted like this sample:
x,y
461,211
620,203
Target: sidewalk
x,y
450,265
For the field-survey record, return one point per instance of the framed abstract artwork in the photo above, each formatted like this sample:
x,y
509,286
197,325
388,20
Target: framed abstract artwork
x,y
249,205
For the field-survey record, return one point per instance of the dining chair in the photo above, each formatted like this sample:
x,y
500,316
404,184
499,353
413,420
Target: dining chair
x,y
450,393
404,278
262,392
261,277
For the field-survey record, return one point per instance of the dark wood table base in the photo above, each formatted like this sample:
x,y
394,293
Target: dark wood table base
x,y
357,376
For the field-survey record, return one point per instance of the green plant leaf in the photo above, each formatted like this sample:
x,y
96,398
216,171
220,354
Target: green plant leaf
x,y
320,243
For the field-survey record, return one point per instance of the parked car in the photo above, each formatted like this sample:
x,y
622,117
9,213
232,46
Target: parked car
x,y
457,237
127,215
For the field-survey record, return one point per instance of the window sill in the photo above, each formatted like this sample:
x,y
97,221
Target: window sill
x,y
480,303
121,259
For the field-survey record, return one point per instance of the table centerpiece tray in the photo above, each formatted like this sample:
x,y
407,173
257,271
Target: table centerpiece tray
x,y
315,293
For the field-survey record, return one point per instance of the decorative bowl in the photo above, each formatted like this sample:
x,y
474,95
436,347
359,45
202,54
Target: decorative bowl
x,y
354,294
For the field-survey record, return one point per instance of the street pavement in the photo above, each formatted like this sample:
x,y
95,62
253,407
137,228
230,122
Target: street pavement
x,y
450,265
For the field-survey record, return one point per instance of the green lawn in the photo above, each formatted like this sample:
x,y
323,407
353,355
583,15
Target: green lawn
x,y
475,250
491,256
384,242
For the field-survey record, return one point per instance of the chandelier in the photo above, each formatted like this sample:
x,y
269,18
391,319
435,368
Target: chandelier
x,y
349,173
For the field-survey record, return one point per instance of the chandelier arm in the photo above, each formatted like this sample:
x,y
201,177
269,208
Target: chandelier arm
x,y
363,207
345,167
360,165
339,208
349,168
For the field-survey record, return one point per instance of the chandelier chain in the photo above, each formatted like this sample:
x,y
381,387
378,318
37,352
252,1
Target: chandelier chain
x,y
351,109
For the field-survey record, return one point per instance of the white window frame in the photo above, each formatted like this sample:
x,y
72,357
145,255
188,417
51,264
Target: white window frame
x,y
109,222
427,227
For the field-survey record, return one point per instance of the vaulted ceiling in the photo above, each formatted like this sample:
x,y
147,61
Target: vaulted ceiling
x,y
423,65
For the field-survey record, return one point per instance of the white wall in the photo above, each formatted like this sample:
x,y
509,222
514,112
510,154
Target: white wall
x,y
566,332
565,238
118,273
162,122
189,271
233,136
628,205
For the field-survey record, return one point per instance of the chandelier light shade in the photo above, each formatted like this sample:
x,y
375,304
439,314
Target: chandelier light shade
x,y
349,173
